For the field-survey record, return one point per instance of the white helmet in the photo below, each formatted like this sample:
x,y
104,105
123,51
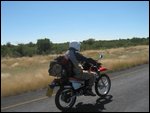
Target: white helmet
x,y
75,45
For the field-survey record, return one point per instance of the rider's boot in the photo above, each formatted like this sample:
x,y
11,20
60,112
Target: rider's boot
x,y
90,93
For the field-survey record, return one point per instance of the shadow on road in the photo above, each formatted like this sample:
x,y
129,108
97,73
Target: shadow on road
x,y
97,107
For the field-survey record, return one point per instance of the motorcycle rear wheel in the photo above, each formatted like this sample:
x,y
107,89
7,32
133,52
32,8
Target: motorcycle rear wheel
x,y
64,99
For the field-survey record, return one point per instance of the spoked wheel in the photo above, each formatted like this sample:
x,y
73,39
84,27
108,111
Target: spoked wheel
x,y
102,85
64,99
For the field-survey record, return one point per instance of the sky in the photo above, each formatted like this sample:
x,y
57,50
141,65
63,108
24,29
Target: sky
x,y
64,21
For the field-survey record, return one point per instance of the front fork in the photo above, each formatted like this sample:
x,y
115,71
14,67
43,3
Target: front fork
x,y
98,74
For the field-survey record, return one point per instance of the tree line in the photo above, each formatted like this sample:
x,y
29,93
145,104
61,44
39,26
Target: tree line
x,y
45,46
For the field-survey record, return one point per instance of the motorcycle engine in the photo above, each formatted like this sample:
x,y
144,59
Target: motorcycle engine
x,y
86,66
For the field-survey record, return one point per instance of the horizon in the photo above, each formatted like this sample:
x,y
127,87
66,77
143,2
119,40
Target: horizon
x,y
79,41
64,21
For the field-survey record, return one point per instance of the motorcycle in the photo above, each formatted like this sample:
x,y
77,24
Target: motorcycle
x,y
69,90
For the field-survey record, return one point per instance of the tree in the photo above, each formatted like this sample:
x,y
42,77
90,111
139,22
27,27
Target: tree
x,y
8,44
44,46
6,50
30,44
90,41
20,50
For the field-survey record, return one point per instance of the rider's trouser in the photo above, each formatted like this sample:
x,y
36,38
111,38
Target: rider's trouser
x,y
86,75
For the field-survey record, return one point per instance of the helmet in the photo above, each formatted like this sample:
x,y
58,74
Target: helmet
x,y
75,45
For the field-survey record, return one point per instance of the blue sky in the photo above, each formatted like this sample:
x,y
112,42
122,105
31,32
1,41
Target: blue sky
x,y
63,21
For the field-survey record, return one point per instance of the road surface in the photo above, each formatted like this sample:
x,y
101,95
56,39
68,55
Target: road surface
x,y
129,93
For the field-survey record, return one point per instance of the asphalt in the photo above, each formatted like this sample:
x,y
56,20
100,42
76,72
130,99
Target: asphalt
x,y
129,93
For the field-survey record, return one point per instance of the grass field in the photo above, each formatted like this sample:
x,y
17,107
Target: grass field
x,y
24,74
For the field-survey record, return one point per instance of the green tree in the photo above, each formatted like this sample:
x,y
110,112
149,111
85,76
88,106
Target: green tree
x,y
20,50
44,46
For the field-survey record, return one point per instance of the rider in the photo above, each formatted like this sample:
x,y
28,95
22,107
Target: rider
x,y
76,58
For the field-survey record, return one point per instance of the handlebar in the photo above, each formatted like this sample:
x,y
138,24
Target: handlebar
x,y
90,63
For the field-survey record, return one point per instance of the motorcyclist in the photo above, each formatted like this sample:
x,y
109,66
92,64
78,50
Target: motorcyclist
x,y
76,58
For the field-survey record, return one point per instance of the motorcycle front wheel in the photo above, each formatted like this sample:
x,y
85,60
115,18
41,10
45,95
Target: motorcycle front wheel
x,y
102,85
64,99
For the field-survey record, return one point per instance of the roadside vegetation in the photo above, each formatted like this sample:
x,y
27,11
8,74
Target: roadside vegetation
x,y
26,73
46,47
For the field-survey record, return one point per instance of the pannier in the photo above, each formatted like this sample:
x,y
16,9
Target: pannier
x,y
60,66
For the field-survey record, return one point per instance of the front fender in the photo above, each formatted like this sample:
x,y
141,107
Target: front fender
x,y
101,69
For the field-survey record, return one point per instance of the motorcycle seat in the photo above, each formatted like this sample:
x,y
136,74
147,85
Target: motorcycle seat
x,y
74,78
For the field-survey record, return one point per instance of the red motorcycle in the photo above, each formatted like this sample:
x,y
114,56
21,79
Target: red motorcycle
x,y
69,90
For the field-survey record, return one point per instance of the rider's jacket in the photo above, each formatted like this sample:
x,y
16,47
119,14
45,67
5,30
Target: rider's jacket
x,y
76,58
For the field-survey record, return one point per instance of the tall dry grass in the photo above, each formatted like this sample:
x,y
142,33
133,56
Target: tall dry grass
x,y
17,84
118,64
24,74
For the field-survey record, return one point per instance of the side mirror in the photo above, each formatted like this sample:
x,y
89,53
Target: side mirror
x,y
100,56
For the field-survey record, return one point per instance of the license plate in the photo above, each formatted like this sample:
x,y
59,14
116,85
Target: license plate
x,y
49,91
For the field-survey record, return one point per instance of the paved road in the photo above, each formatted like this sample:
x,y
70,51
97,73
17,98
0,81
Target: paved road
x,y
129,92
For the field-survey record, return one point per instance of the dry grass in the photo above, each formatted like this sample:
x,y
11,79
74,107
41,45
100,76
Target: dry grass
x,y
16,84
24,74
118,64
